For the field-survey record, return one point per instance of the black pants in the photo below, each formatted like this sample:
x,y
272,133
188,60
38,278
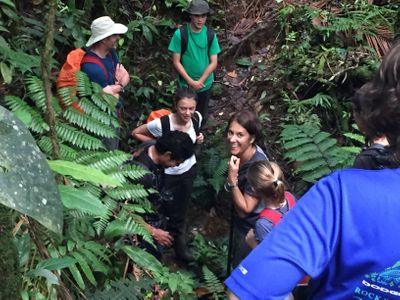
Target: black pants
x,y
203,98
181,187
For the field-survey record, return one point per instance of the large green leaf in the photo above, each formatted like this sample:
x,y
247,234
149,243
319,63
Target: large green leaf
x,y
82,200
82,172
26,181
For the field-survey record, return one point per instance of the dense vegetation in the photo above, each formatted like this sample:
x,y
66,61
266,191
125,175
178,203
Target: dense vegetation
x,y
297,63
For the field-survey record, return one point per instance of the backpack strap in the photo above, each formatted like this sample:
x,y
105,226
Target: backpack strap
x,y
184,38
290,199
165,127
274,216
271,215
196,122
210,38
95,60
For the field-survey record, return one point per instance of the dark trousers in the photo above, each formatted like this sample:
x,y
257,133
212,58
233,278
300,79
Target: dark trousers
x,y
181,187
203,98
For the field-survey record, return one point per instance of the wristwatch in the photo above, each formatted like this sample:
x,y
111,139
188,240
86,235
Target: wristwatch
x,y
229,186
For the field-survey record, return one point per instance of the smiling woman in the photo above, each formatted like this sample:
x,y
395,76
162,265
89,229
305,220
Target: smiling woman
x,y
243,130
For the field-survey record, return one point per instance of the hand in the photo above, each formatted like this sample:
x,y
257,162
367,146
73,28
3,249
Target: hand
x,y
162,237
114,90
233,169
196,85
200,138
251,239
121,75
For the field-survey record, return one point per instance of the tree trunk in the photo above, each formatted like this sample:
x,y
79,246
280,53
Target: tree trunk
x,y
46,71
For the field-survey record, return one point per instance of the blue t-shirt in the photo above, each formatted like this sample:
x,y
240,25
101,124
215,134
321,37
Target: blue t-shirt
x,y
96,73
344,233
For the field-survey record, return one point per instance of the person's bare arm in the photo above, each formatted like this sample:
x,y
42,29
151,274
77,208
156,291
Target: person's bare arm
x,y
244,203
142,134
232,296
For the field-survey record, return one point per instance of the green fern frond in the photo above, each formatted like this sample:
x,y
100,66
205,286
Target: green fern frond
x,y
84,266
213,284
103,160
102,223
128,226
88,123
83,84
36,92
105,102
127,171
67,153
67,95
37,123
93,110
124,289
316,152
134,192
77,138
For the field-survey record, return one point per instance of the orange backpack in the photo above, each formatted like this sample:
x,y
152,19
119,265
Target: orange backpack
x,y
156,114
66,77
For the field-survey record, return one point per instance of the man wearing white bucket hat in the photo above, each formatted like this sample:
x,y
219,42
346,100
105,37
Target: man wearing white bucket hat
x,y
101,63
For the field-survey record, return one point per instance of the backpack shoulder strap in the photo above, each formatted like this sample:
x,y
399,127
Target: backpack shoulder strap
x,y
271,215
165,127
95,60
184,38
196,122
290,199
210,37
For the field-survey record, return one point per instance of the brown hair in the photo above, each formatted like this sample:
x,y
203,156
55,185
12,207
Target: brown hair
x,y
249,121
266,179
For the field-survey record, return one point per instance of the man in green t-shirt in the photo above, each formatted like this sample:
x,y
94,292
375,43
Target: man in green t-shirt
x,y
197,64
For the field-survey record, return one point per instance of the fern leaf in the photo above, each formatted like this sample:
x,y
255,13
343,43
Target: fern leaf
x,y
96,264
130,171
76,274
85,267
133,192
77,138
37,123
93,111
102,223
103,160
66,152
36,92
213,284
88,123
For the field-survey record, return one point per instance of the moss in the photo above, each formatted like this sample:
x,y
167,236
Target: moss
x,y
10,283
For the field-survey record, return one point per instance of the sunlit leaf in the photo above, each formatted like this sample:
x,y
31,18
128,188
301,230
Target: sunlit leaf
x,y
26,181
82,172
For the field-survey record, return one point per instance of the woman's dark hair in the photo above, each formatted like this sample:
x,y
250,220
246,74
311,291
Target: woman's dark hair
x,y
178,143
381,106
184,93
249,121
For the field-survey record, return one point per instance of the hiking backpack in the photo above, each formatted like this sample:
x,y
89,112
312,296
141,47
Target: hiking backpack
x,y
156,114
165,126
67,75
184,38
273,215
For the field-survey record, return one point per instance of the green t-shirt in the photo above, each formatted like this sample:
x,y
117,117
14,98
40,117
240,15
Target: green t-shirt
x,y
195,59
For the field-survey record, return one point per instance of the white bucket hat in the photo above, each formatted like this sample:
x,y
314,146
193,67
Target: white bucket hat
x,y
104,27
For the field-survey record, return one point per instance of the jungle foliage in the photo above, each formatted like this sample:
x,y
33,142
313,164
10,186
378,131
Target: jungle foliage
x,y
87,245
